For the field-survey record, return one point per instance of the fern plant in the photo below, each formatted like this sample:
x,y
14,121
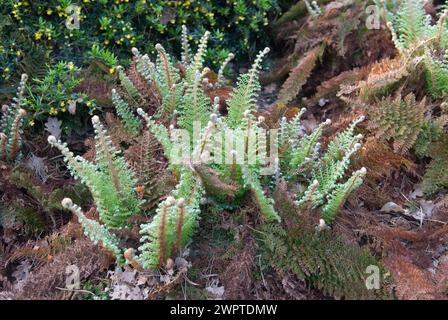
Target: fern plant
x,y
94,230
130,122
301,160
399,119
190,130
161,236
109,179
11,125
436,177
414,35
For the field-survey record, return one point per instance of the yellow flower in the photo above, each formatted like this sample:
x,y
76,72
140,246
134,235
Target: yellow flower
x,y
49,12
53,111
62,103
71,66
38,35
111,71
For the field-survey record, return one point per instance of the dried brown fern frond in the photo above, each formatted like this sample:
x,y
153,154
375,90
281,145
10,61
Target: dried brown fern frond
x,y
383,76
381,160
410,281
117,131
41,252
239,274
49,281
299,75
333,85
150,98
400,120
146,158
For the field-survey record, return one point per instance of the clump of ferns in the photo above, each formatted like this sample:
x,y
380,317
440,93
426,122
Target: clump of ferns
x,y
301,161
415,36
112,185
188,147
189,144
109,178
11,126
111,181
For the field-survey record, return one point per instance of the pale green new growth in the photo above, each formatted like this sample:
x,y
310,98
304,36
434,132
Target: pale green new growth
x,y
341,193
95,231
173,225
243,97
415,35
130,122
300,154
109,179
127,84
265,204
313,8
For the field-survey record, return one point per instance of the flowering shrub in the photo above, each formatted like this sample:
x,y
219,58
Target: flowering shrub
x,y
55,96
119,25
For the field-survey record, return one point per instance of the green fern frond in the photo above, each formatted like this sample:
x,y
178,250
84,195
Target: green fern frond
x,y
265,204
11,125
95,231
243,97
168,82
110,180
411,23
303,149
9,112
173,225
340,195
437,75
130,122
329,172
186,51
436,175
127,84
195,106
321,259
343,142
299,75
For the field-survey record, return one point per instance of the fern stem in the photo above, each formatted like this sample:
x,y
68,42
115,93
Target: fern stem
x,y
15,131
179,225
3,146
162,230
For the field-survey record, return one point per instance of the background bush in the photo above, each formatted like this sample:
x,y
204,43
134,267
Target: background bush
x,y
31,29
